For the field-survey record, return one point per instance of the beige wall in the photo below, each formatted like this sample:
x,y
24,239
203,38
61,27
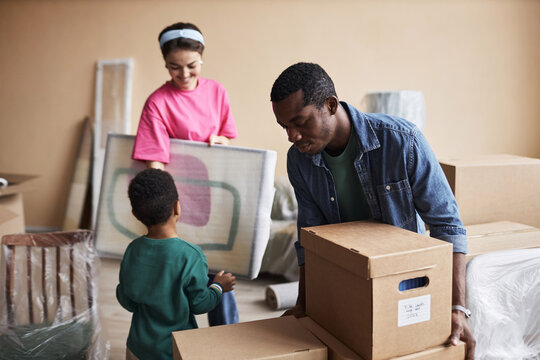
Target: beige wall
x,y
476,62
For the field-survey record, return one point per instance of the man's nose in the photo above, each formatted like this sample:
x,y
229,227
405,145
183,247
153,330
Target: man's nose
x,y
293,134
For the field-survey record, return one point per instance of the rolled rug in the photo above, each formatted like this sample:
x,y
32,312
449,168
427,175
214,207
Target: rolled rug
x,y
282,296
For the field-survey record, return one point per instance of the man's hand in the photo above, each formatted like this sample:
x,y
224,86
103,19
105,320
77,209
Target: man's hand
x,y
297,310
461,331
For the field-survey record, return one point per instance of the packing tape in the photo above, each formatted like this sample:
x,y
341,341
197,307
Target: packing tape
x,y
282,296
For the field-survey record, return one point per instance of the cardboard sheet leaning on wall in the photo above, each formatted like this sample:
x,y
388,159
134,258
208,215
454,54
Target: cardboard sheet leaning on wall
x,y
78,193
225,192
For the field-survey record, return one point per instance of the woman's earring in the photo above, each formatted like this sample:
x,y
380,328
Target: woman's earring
x,y
200,62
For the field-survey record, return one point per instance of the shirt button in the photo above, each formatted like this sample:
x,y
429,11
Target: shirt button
x,y
388,187
332,198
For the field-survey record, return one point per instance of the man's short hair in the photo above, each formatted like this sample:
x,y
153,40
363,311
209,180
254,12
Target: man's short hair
x,y
152,194
314,82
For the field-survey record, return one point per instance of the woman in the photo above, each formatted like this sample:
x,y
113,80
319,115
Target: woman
x,y
187,107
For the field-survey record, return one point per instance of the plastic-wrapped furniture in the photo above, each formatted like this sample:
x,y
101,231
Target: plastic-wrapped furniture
x,y
280,255
49,310
503,293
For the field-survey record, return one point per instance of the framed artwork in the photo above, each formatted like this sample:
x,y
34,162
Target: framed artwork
x,y
225,193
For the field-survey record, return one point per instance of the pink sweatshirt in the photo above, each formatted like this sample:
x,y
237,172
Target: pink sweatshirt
x,y
182,114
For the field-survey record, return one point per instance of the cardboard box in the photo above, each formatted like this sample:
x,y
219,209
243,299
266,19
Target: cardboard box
x,y
353,271
502,235
277,338
11,203
495,188
441,352
338,351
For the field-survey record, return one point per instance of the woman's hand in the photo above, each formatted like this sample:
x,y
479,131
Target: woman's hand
x,y
155,165
216,139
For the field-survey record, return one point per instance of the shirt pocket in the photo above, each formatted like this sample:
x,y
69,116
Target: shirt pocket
x,y
397,206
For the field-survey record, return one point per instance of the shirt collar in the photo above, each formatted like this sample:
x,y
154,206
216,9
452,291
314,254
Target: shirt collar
x,y
365,135
367,139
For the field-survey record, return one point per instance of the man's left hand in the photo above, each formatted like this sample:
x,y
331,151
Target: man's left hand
x,y
461,331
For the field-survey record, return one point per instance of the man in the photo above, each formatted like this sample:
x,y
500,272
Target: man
x,y
346,165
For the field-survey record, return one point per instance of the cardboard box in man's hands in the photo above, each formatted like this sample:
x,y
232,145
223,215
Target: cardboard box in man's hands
x,y
353,274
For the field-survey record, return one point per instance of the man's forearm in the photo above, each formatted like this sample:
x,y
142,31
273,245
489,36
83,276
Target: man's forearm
x,y
302,288
458,279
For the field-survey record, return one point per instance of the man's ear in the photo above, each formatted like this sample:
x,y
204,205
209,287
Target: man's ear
x,y
177,210
333,103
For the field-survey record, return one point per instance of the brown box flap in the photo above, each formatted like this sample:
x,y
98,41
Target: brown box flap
x,y
441,352
336,349
370,249
277,338
6,214
16,183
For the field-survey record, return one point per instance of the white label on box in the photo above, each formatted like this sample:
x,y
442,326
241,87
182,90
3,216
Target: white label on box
x,y
414,310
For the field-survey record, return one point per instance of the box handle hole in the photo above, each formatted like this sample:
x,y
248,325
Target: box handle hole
x,y
414,283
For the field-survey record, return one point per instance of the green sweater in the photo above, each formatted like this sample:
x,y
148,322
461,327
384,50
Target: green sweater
x,y
163,283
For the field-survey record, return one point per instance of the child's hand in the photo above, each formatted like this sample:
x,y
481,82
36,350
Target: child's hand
x,y
227,281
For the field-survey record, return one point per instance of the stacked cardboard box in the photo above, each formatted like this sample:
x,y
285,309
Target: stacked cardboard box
x,y
338,351
355,306
495,188
353,273
11,203
501,235
279,338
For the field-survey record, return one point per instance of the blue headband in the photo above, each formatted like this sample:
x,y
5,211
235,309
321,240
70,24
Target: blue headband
x,y
182,33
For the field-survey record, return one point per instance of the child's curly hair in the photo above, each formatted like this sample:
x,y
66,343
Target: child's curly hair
x,y
152,194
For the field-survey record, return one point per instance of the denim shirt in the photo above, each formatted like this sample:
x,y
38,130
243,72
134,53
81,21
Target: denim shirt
x,y
402,180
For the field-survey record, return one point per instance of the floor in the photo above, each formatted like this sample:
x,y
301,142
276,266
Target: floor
x,y
115,321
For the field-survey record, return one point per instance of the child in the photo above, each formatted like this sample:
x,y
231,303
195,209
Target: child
x,y
187,107
163,279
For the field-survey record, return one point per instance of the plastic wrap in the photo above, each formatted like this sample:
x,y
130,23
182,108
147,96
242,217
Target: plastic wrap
x,y
503,294
49,310
409,105
284,206
280,256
